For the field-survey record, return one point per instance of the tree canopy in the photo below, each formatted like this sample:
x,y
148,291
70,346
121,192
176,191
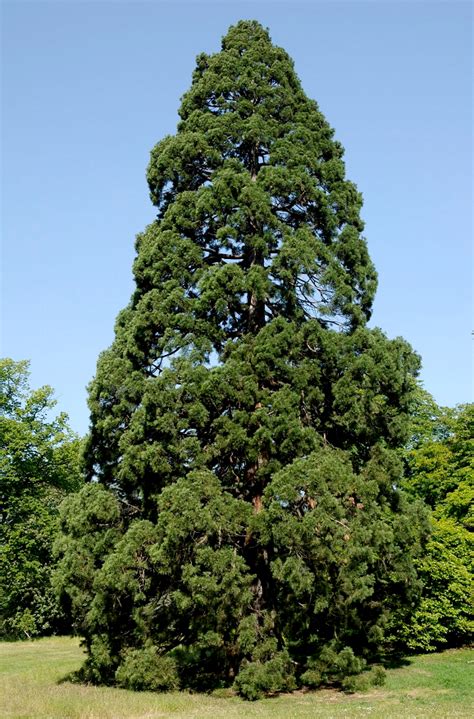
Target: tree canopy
x,y
39,465
243,523
439,460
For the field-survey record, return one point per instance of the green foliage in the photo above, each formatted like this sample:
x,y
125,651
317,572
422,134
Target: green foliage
x,y
342,668
341,551
245,422
265,669
147,669
444,615
39,465
259,678
332,666
378,676
90,522
365,681
440,470
440,459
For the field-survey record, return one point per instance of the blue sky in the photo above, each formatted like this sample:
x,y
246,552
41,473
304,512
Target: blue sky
x,y
88,89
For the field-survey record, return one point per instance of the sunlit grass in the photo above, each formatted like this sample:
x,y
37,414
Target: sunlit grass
x,y
436,686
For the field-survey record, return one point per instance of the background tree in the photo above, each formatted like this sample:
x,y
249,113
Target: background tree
x,y
439,462
38,467
246,525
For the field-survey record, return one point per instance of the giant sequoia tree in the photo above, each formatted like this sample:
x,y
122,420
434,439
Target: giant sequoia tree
x,y
242,523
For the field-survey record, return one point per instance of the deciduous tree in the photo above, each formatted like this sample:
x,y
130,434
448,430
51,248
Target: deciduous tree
x,y
439,461
39,465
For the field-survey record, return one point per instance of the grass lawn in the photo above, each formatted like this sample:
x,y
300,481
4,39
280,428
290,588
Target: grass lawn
x,y
437,686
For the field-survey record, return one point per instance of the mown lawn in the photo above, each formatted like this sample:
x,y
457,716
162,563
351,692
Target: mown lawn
x,y
436,686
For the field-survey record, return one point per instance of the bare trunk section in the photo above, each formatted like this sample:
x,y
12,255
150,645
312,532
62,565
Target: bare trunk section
x,y
256,311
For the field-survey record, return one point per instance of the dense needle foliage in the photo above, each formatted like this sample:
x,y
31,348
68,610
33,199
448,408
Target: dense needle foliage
x,y
242,524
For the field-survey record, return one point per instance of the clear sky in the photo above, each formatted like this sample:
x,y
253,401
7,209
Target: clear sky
x,y
88,89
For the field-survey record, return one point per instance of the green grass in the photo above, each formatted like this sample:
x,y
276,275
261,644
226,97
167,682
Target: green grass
x,y
436,686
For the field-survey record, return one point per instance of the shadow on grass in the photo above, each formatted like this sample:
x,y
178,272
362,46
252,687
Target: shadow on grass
x,y
75,677
396,661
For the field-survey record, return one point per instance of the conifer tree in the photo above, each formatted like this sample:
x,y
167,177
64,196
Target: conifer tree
x,y
242,524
